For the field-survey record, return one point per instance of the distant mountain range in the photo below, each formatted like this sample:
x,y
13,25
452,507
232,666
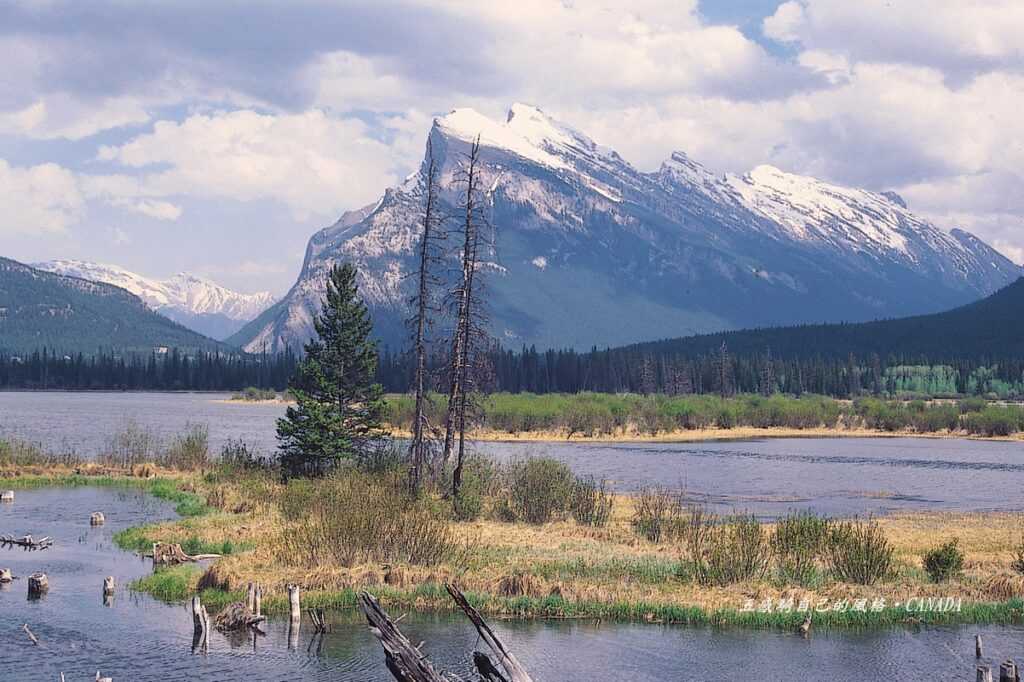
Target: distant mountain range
x,y
40,309
590,251
196,302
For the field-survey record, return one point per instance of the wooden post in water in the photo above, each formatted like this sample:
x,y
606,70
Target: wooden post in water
x,y
1008,672
977,647
250,597
38,585
7,496
5,575
108,585
984,674
257,600
97,519
294,616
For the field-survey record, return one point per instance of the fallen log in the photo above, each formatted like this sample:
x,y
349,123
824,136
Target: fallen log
x,y
171,554
405,661
27,541
237,616
516,672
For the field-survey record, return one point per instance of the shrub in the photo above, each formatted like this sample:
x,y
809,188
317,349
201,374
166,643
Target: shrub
x,y
734,550
538,489
591,502
253,394
798,543
944,562
354,517
1018,557
132,445
189,450
995,421
858,552
657,514
237,454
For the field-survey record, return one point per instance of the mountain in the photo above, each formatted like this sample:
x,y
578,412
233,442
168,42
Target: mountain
x,y
70,315
984,331
587,250
195,302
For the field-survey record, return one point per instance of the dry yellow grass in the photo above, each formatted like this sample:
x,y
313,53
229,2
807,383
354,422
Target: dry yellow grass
x,y
604,565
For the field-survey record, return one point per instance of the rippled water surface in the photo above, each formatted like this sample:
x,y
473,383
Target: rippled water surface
x,y
837,476
134,637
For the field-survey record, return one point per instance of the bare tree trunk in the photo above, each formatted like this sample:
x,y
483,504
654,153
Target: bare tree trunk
x,y
417,448
467,303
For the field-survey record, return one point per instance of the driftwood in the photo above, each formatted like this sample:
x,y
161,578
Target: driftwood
x,y
237,616
31,636
168,554
516,672
407,664
200,625
27,541
405,661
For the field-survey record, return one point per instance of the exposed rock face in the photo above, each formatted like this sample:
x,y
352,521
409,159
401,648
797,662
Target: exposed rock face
x,y
590,251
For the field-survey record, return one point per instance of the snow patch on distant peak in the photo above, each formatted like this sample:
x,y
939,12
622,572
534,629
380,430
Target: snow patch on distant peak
x,y
467,124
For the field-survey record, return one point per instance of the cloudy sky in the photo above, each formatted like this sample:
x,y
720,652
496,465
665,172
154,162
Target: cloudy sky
x,y
217,136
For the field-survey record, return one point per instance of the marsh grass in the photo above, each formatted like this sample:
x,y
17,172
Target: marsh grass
x,y
591,502
658,514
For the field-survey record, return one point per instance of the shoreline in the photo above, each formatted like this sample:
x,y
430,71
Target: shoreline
x,y
739,433
558,570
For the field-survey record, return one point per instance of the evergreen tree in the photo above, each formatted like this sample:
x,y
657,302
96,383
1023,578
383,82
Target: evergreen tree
x,y
338,406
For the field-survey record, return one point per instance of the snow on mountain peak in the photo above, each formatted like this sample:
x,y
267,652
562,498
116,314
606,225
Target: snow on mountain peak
x,y
184,292
467,124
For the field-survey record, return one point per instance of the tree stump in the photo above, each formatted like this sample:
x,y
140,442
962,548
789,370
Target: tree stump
x,y
983,674
96,519
7,496
38,585
1008,672
5,575
237,616
108,585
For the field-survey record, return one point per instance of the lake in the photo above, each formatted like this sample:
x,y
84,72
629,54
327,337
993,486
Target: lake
x,y
835,476
134,637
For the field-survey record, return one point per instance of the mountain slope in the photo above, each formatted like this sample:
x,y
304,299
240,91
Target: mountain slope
x,y
67,314
197,303
988,329
588,250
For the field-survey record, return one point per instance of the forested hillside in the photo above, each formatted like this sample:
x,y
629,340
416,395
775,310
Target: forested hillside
x,y
69,315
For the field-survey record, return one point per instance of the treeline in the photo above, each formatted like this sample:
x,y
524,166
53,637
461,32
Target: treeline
x,y
171,371
644,370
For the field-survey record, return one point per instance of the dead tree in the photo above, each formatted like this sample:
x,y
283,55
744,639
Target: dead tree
x,y
470,317
768,375
405,661
516,672
723,371
423,304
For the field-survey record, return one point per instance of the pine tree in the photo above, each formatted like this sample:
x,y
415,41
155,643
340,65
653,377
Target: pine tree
x,y
339,407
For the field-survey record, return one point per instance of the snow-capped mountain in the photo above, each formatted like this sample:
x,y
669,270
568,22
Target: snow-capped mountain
x,y
588,250
196,302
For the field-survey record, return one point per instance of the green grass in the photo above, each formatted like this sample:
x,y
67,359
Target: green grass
x,y
169,489
137,539
597,414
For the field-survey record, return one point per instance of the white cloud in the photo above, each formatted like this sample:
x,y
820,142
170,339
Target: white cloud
x,y
64,116
312,162
38,199
785,23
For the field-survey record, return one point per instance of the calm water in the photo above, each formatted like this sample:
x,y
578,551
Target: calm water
x,y
137,638
134,637
834,476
